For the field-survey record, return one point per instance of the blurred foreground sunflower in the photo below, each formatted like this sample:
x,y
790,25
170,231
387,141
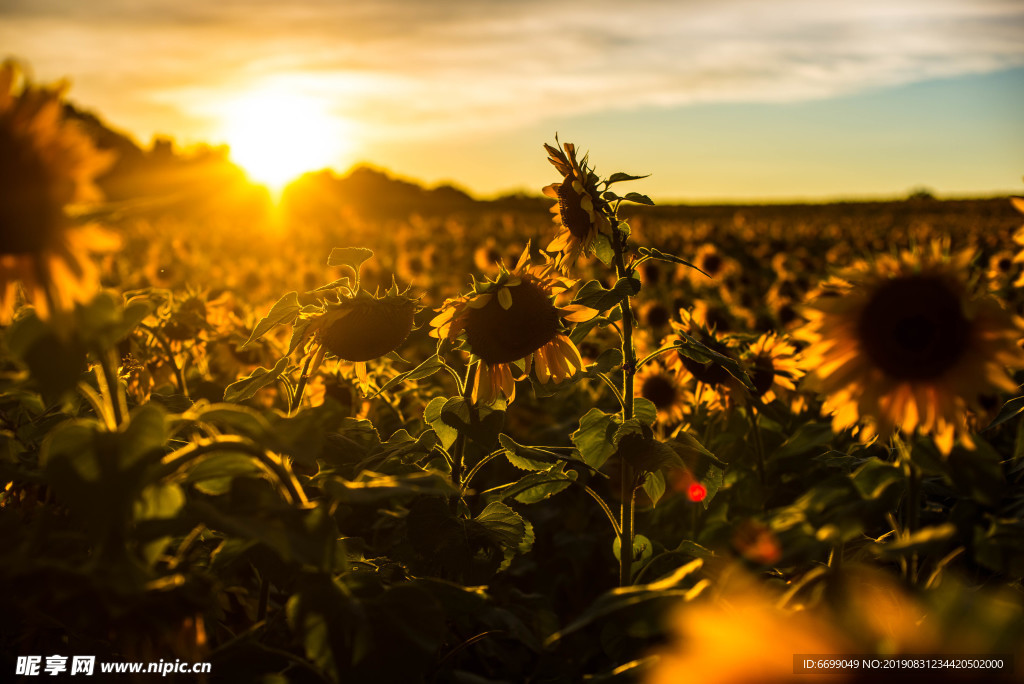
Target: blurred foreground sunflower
x,y
512,325
47,167
900,344
578,212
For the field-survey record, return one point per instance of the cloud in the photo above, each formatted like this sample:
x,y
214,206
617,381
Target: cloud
x,y
429,70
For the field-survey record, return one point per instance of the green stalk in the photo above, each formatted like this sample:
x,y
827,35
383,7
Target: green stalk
x,y
303,379
628,483
459,453
110,385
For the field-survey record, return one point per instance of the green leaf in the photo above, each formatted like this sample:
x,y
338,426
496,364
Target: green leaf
x,y
809,437
214,474
160,500
594,437
608,360
247,387
654,487
875,479
596,296
693,549
538,486
237,419
371,487
352,257
619,177
55,361
432,417
645,410
507,529
526,458
603,249
645,453
424,370
638,198
482,426
1010,410
329,622
299,328
284,311
643,549
927,539
666,591
663,256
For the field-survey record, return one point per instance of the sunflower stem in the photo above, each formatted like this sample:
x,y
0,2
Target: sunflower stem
x,y
179,371
653,355
913,513
301,388
459,453
755,421
110,386
628,483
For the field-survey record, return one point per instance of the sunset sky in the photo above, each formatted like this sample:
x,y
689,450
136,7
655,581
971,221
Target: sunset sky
x,y
718,99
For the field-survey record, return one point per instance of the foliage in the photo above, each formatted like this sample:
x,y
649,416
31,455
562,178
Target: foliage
x,y
192,474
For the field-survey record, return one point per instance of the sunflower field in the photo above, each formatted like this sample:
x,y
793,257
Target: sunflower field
x,y
375,433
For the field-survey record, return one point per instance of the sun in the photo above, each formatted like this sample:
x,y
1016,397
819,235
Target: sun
x,y
276,135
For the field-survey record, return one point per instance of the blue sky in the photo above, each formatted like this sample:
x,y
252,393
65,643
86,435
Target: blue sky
x,y
718,99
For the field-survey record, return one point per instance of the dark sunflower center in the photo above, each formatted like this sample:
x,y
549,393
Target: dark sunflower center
x,y
574,217
656,316
913,328
712,263
371,330
658,390
1004,264
652,272
30,214
500,335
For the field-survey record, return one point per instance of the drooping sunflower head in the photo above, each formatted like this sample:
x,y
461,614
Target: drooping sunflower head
x,y
47,164
707,372
716,387
904,345
580,212
511,323
364,327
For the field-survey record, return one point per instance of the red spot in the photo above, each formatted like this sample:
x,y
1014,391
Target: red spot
x,y
697,492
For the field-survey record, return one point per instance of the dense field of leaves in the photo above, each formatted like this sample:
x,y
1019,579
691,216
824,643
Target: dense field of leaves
x,y
191,472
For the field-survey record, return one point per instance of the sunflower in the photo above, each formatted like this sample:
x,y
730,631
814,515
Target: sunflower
x,y
513,319
661,387
47,164
361,327
903,346
773,367
712,262
715,383
1002,271
580,213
